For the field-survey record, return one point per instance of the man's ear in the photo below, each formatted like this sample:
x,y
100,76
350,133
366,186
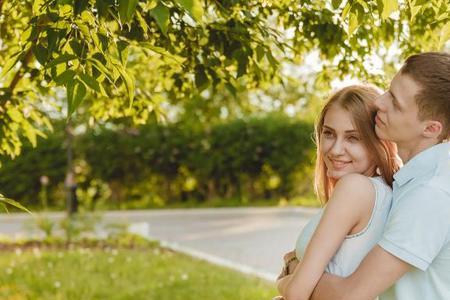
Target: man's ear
x,y
433,129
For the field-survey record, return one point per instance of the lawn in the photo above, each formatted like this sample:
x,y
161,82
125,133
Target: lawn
x,y
93,272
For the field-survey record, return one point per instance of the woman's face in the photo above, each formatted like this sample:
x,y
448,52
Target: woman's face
x,y
341,145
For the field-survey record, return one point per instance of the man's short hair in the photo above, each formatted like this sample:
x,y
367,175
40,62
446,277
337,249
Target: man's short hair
x,y
431,70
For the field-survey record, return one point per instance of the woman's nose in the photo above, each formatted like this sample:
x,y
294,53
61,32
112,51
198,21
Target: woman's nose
x,y
337,148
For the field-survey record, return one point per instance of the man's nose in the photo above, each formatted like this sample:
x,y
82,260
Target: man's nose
x,y
380,102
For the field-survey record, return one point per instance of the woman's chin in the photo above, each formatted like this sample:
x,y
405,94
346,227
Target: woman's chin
x,y
336,175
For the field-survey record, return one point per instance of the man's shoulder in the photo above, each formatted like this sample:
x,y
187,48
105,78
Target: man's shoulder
x,y
434,190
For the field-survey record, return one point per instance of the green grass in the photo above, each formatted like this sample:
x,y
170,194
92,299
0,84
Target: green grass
x,y
121,273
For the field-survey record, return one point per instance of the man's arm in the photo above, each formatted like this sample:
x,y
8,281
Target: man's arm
x,y
376,273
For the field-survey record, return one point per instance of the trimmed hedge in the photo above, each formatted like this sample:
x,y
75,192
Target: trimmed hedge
x,y
258,158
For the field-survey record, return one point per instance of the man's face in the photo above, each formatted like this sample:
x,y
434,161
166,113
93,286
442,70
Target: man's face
x,y
397,116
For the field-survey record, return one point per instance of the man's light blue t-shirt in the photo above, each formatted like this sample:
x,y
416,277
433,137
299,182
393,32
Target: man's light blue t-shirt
x,y
418,228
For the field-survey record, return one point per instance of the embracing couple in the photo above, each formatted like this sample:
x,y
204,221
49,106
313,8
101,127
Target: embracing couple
x,y
385,229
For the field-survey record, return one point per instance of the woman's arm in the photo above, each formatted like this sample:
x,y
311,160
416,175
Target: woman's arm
x,y
352,200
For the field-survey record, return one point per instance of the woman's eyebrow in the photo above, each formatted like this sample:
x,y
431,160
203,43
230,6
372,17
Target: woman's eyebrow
x,y
347,131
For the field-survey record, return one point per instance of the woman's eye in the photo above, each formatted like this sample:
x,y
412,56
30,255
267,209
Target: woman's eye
x,y
353,138
327,134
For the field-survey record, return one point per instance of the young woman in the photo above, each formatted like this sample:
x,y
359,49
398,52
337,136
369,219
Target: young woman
x,y
354,172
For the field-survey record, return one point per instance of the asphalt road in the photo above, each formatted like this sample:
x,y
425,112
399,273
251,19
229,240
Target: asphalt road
x,y
254,238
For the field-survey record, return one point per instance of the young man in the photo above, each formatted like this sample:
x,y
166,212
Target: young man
x,y
412,260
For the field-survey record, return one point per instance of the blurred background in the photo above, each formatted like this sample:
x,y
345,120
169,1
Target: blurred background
x,y
152,107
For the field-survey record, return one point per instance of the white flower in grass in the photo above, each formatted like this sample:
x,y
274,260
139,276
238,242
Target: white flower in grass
x,y
42,273
184,276
113,275
114,252
9,271
18,251
57,284
129,259
60,254
110,260
50,265
37,252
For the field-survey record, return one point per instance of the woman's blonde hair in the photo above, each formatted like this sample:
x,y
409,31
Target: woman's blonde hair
x,y
358,100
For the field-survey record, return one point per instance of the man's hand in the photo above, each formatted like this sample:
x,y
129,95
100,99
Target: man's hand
x,y
377,272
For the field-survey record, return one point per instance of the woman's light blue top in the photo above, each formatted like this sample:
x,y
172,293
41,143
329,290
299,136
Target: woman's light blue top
x,y
355,246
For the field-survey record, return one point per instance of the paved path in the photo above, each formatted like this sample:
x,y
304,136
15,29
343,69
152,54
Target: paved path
x,y
253,239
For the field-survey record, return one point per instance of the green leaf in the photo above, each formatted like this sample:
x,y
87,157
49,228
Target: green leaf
x,y
14,203
389,6
127,9
231,89
90,82
37,7
14,114
161,15
30,133
129,82
142,23
414,11
122,48
346,10
60,59
76,91
52,37
193,7
99,66
352,23
336,3
41,53
80,6
10,63
273,62
178,59
64,77
259,53
242,60
201,79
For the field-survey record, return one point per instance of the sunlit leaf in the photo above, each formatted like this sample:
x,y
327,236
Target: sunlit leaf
x,y
14,203
10,63
161,15
76,91
63,58
64,77
127,9
129,82
352,23
90,82
193,7
389,6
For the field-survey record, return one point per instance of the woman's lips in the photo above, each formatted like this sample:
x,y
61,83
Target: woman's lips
x,y
339,164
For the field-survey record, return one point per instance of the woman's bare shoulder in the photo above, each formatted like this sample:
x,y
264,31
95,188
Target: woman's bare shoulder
x,y
354,190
